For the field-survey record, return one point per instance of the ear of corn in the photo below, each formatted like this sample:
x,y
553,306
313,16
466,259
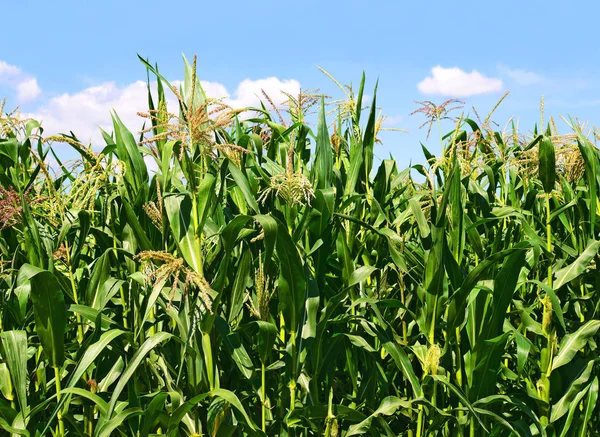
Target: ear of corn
x,y
268,280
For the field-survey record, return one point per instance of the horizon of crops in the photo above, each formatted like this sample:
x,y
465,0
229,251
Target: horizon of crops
x,y
268,280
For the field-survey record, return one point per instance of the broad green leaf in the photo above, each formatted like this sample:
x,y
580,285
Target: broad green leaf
x,y
156,406
590,406
227,395
97,400
387,407
133,365
110,426
292,282
267,334
50,313
547,164
570,272
135,171
323,153
243,184
14,353
181,216
419,217
7,427
564,404
573,343
504,288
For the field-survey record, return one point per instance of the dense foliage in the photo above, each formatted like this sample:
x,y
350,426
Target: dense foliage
x,y
267,280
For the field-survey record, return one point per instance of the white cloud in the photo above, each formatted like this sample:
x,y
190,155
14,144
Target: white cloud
x,y
522,77
24,85
393,120
249,92
454,82
7,70
85,111
28,90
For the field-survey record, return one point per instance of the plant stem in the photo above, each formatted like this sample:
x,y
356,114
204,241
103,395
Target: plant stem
x,y
549,237
293,379
281,332
61,425
74,290
420,422
207,348
263,398
330,416
546,356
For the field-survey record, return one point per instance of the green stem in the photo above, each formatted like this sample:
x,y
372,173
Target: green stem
x,y
74,290
432,329
293,379
459,374
121,290
330,416
263,398
549,237
420,422
91,421
61,425
281,332
207,348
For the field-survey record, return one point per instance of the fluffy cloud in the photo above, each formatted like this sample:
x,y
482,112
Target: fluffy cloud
x,y
522,77
249,92
393,120
7,70
85,111
28,89
25,86
454,82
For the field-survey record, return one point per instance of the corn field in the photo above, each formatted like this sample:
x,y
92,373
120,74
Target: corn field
x,y
267,280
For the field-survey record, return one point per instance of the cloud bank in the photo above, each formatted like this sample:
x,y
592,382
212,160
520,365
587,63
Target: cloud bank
x,y
26,87
454,82
84,111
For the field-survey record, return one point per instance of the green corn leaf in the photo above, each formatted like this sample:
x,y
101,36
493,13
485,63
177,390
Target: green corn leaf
x,y
156,406
15,431
182,219
292,282
387,407
419,217
100,403
88,358
179,413
14,353
239,286
117,421
564,404
575,269
267,334
573,343
590,406
50,313
133,365
504,287
547,164
136,172
323,154
242,183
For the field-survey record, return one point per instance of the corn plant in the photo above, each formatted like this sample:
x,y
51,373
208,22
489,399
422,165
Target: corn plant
x,y
267,279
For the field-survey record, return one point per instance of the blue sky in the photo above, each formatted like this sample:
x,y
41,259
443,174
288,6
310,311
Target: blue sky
x,y
69,62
